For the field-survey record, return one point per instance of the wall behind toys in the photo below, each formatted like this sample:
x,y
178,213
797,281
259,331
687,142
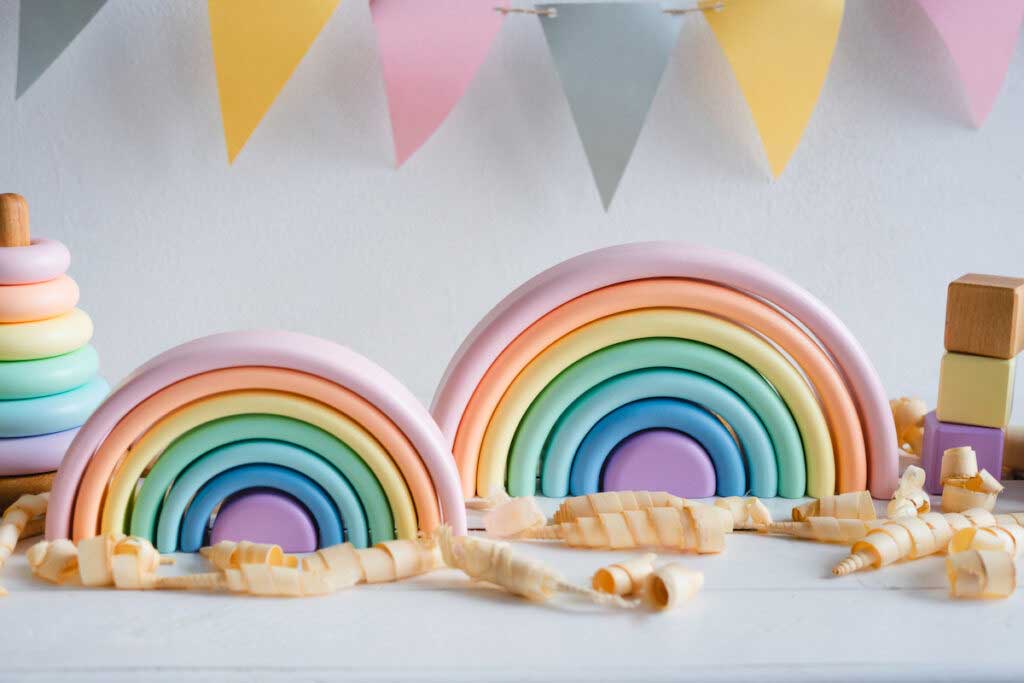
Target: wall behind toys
x,y
119,148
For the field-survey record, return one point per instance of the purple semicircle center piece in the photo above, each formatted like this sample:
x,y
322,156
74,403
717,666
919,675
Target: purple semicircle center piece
x,y
265,516
660,460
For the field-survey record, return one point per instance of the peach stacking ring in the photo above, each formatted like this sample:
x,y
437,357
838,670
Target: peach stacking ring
x,y
40,261
38,301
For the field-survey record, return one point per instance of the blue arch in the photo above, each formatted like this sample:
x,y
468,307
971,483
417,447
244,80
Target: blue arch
x,y
576,422
663,413
196,519
250,452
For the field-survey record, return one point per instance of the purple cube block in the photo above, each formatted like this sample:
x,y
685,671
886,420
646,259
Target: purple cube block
x,y
941,436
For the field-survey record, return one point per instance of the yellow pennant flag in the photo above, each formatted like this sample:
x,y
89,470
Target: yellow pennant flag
x,y
780,51
256,46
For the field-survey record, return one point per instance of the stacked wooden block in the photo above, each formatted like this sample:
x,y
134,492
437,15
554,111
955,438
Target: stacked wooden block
x,y
984,334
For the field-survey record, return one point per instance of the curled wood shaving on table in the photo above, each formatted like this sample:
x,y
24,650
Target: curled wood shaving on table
x,y
16,519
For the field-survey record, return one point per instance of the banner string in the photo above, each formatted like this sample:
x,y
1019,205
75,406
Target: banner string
x,y
551,12
717,7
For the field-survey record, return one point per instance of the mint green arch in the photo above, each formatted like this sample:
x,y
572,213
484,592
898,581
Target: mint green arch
x,y
586,373
572,427
195,443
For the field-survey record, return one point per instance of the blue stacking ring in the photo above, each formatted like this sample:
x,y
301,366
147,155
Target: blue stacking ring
x,y
196,520
655,413
49,414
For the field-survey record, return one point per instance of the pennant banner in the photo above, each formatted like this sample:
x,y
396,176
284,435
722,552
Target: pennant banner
x,y
257,44
610,58
45,28
429,54
981,35
780,51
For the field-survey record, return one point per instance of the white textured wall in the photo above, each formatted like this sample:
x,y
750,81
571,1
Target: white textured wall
x,y
119,149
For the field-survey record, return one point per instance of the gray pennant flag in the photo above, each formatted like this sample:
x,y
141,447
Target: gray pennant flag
x,y
610,58
45,28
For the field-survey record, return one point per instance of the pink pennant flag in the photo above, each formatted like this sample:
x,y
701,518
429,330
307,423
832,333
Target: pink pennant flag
x,y
981,36
429,53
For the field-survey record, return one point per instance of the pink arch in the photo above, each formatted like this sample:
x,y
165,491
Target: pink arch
x,y
641,260
270,348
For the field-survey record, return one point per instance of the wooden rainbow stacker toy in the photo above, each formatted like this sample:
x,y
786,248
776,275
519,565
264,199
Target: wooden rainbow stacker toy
x,y
665,366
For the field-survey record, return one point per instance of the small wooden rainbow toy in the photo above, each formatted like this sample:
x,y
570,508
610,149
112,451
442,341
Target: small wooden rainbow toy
x,y
48,380
984,334
610,371
345,451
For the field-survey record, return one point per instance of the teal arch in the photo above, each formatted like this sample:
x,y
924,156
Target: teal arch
x,y
659,413
259,476
586,373
195,443
573,426
258,451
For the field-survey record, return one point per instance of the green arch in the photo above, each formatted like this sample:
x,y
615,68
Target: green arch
x,y
194,444
533,431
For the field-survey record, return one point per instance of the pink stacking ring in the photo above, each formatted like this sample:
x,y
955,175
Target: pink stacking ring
x,y
40,261
38,301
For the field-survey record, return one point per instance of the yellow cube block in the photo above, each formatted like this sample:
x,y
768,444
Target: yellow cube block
x,y
975,390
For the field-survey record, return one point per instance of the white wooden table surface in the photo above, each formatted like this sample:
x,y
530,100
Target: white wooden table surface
x,y
769,610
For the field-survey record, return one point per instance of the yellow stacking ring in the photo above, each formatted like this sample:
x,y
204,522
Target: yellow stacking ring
x,y
45,338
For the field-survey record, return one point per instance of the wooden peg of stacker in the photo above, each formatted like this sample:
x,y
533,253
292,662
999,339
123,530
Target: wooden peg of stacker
x,y
13,221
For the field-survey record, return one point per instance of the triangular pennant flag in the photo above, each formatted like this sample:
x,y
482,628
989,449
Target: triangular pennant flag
x,y
610,58
257,44
780,51
429,54
981,35
45,28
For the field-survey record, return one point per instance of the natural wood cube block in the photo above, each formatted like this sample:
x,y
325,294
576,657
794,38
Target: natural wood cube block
x,y
975,390
985,315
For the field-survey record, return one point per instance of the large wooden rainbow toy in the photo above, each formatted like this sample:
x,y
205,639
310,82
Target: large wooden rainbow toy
x,y
664,363
288,431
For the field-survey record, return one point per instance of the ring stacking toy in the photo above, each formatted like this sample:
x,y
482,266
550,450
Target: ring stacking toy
x,y
48,371
281,408
606,330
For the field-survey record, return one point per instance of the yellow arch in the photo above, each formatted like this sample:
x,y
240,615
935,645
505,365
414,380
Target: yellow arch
x,y
659,322
148,448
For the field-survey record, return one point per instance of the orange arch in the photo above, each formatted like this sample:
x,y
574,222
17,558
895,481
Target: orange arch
x,y
110,453
839,408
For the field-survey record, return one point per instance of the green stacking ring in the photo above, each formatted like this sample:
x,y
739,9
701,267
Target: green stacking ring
x,y
45,376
